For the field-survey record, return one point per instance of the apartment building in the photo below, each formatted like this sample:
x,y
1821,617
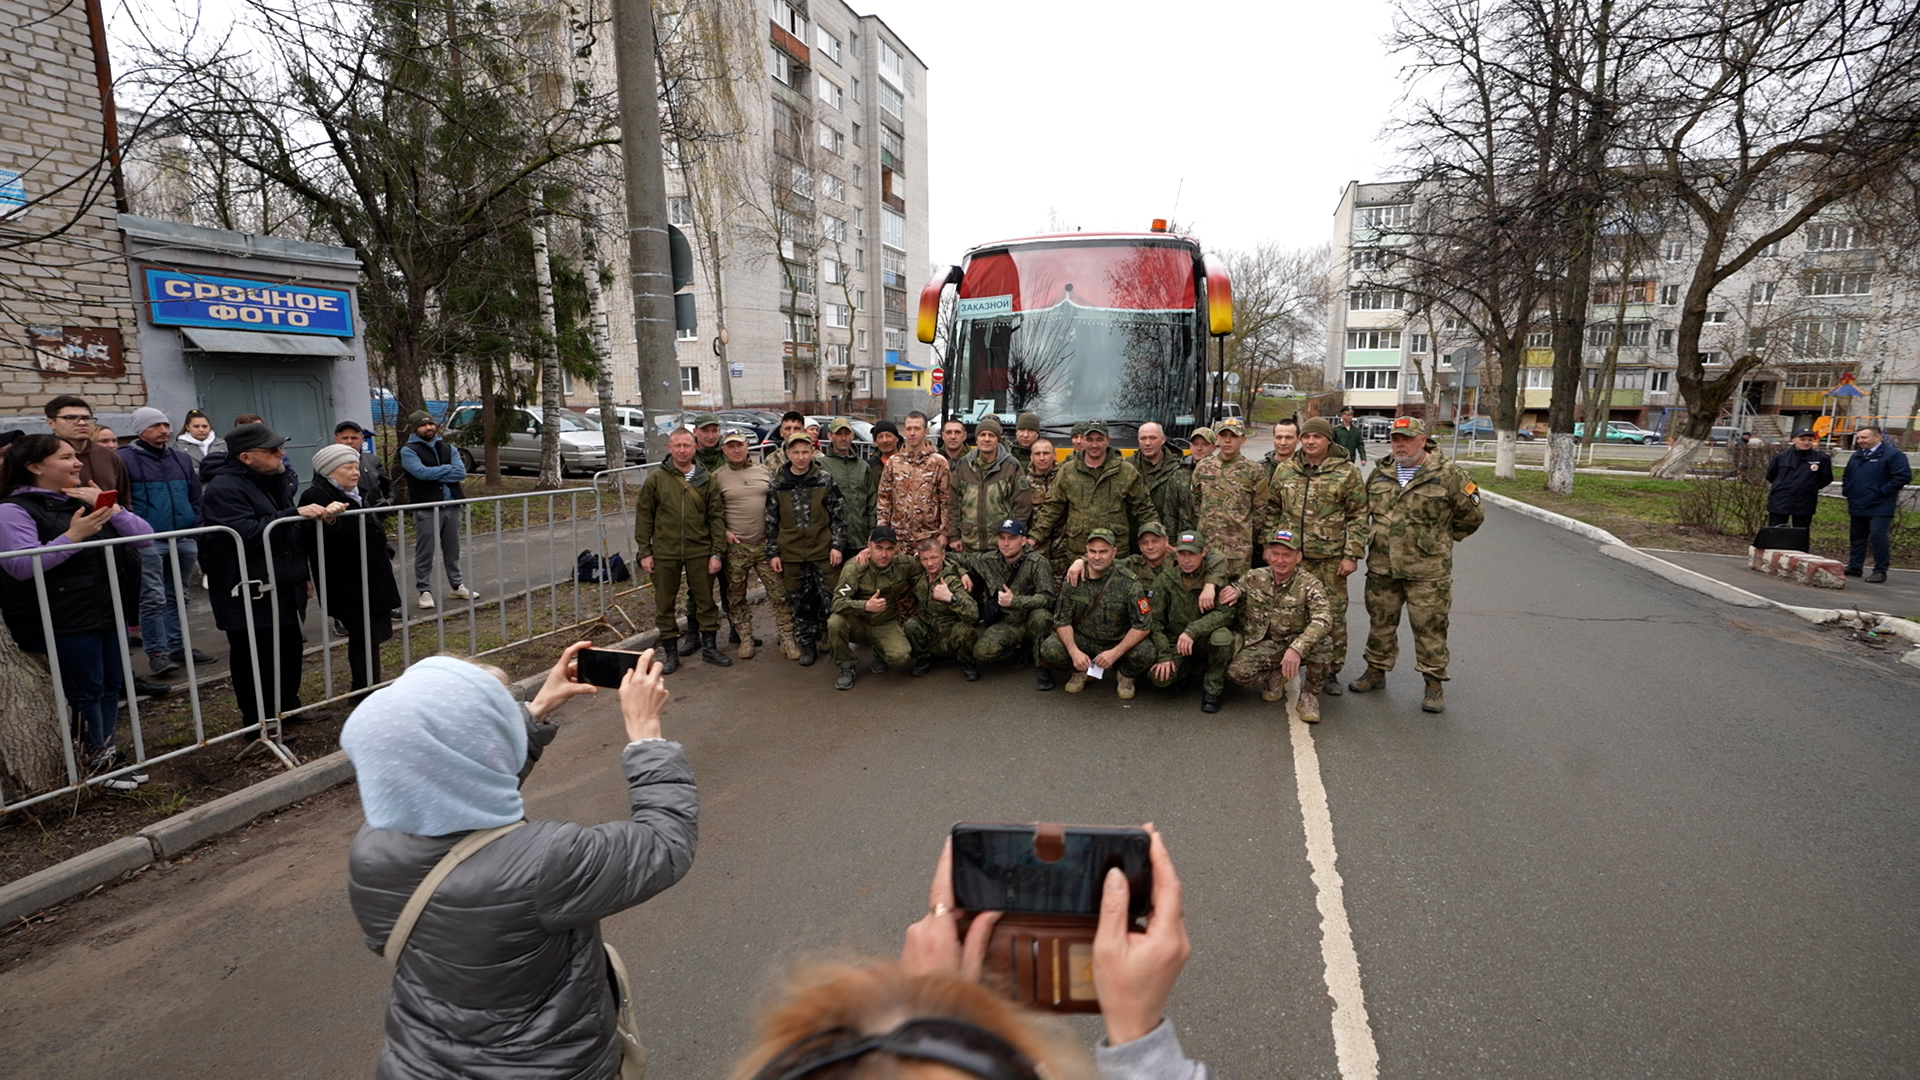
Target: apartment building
x,y
1818,306
821,259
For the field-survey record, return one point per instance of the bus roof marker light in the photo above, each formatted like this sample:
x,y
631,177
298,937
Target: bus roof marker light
x,y
1159,224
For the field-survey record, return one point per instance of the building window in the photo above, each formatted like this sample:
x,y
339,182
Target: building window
x,y
1453,324
895,339
690,379
893,229
1539,339
786,379
863,380
1536,377
799,328
1775,199
1658,381
680,211
1666,340
835,356
858,177
1378,339
830,271
1630,379
1417,344
1383,217
833,187
1814,338
1826,236
1669,295
1756,337
1375,300
892,143
785,69
853,89
686,334
1814,379
1840,283
828,44
1373,258
1372,379
1633,292
859,258
860,340
802,181
1771,251
833,228
891,62
857,140
789,18
1713,356
891,102
830,92
1763,292
1716,318
1674,250
839,316
1632,334
832,139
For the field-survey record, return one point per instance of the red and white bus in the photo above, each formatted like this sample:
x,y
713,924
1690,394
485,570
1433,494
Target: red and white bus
x,y
1083,326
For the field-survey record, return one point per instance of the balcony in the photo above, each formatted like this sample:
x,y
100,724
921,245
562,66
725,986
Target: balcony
x,y
789,44
889,160
895,203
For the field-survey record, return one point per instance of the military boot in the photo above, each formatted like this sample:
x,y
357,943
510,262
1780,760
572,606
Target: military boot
x,y
1433,700
807,654
746,645
710,649
922,666
690,641
970,671
1276,688
1330,685
1374,679
669,656
789,648
1124,686
1209,703
1308,704
845,681
1076,682
1042,678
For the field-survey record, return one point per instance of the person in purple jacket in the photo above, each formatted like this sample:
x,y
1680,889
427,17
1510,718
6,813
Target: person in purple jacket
x,y
42,504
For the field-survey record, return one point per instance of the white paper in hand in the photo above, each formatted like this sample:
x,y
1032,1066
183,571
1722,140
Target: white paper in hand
x,y
1094,671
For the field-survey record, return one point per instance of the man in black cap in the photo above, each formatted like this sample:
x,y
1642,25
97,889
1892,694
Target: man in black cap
x,y
246,493
1797,474
1015,584
867,606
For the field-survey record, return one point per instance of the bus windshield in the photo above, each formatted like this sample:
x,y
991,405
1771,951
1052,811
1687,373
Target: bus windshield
x,y
1078,331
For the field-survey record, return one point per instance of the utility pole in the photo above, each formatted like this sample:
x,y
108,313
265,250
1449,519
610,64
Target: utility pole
x,y
648,257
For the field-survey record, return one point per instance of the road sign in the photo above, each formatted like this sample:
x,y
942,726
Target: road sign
x,y
1465,360
939,376
1233,378
938,389
738,371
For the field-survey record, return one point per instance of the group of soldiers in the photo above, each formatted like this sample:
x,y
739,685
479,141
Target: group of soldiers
x,y
1163,566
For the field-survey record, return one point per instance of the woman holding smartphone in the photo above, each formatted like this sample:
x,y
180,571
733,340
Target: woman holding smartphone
x,y
42,504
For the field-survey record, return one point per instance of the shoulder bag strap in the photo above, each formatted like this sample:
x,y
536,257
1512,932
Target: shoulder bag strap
x,y
470,843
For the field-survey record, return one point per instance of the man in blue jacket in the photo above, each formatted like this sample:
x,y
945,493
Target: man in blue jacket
x,y
166,492
434,470
1875,474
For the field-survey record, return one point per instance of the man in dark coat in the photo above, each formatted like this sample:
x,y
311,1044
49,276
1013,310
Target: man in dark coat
x,y
1875,474
246,493
1797,474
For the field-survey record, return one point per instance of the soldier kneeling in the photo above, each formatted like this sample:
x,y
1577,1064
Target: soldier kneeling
x,y
1015,588
866,606
1194,599
1098,623
1284,621
944,613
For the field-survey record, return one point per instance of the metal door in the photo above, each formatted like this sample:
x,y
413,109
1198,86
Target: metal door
x,y
295,398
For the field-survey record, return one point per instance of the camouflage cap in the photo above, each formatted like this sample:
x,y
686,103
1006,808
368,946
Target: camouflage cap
x,y
1103,534
1409,426
839,423
1203,434
736,435
1285,538
1190,541
1079,429
798,436
1097,427
1153,527
1232,425
1027,422
705,419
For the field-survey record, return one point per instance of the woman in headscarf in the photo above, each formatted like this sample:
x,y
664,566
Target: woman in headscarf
x,y
504,973
349,554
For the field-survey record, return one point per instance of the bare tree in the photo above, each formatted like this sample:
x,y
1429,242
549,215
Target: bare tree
x,y
1279,314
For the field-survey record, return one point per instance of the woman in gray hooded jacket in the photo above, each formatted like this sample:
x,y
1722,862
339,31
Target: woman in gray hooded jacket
x,y
504,974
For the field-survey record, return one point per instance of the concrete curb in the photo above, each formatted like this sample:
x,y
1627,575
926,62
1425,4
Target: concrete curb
x,y
1612,547
174,836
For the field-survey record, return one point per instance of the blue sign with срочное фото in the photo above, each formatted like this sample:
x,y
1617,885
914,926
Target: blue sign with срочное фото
x,y
177,299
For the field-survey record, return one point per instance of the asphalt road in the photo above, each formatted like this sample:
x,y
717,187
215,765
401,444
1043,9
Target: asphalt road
x,y
1652,835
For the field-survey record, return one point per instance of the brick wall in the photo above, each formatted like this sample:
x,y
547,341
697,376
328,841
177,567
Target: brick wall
x,y
50,133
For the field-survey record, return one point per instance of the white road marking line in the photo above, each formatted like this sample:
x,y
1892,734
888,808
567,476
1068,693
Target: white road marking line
x,y
1352,1033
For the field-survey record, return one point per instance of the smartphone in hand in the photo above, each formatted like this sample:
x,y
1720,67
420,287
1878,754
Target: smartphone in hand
x,y
604,667
107,498
1001,868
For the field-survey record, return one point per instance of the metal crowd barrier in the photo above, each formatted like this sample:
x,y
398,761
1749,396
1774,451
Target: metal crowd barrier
x,y
535,593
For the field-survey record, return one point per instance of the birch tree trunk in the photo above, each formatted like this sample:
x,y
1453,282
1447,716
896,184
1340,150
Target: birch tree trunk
x,y
1503,454
31,757
550,470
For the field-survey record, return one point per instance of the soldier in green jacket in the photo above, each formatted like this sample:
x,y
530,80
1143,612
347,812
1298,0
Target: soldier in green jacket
x,y
680,529
1095,490
942,626
1018,584
1099,623
1420,504
1348,436
1322,497
856,476
867,606
1227,487
1282,625
985,487
1169,484
1191,621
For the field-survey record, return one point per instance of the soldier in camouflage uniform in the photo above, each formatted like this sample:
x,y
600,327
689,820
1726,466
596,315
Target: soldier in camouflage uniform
x,y
790,422
1283,624
1169,485
942,624
913,488
1227,487
985,487
1322,497
1191,624
1199,448
1018,587
867,606
1043,471
1095,490
743,487
806,540
1025,431
1420,504
1102,621
708,455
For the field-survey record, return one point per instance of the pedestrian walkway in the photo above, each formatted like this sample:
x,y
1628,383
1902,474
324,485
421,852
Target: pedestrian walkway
x,y
1899,595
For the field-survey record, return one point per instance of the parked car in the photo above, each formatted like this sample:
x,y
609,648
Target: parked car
x,y
633,430
1375,428
862,429
1619,431
1276,389
1481,427
667,423
582,449
1725,434
763,423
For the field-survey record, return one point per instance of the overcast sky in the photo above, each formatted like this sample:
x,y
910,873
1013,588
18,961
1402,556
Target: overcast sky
x,y
1254,114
